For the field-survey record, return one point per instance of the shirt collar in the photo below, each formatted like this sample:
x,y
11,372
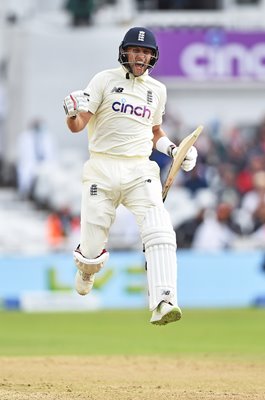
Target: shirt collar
x,y
141,78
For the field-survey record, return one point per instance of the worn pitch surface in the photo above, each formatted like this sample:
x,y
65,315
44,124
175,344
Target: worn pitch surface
x,y
130,377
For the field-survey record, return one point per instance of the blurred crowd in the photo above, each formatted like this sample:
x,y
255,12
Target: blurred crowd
x,y
82,12
218,205
221,203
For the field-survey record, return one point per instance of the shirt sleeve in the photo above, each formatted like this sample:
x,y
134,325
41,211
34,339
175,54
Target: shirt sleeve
x,y
95,92
160,111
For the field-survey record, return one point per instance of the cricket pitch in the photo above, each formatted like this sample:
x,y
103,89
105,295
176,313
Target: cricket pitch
x,y
130,378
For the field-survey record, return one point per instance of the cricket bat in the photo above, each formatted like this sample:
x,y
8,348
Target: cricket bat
x,y
183,148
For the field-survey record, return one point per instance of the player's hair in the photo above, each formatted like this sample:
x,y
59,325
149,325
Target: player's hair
x,y
139,37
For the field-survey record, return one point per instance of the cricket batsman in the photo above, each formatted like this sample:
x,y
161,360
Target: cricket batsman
x,y
123,108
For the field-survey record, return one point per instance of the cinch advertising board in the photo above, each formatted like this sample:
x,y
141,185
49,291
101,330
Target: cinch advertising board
x,y
211,54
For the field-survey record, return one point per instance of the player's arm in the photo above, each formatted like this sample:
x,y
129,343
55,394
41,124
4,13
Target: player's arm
x,y
159,134
76,109
79,122
164,145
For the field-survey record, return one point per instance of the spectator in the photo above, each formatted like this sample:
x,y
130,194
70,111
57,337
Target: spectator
x,y
196,179
226,189
255,239
55,233
35,146
217,231
81,11
255,163
255,197
203,201
186,231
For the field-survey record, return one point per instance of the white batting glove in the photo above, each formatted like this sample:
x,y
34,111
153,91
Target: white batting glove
x,y
75,103
190,160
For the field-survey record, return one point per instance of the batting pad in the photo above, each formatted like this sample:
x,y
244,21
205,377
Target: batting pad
x,y
160,252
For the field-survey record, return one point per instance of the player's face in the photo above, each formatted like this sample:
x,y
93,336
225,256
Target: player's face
x,y
139,59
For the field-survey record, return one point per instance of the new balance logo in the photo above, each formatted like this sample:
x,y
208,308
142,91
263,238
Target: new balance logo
x,y
117,89
93,190
141,36
166,292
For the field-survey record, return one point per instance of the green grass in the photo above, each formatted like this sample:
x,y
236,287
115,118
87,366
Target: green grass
x,y
233,332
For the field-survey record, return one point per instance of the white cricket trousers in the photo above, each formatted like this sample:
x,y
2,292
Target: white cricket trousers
x,y
108,182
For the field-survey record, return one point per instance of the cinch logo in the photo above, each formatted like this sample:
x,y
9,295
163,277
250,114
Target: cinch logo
x,y
126,108
235,60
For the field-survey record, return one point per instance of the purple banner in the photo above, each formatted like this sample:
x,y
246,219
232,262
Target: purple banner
x,y
215,54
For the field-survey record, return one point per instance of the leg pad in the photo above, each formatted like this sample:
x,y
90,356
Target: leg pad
x,y
160,251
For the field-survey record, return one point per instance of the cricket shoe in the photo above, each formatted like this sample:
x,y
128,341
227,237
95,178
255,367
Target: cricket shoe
x,y
165,313
84,282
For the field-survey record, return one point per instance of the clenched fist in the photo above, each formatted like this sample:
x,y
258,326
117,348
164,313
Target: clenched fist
x,y
75,103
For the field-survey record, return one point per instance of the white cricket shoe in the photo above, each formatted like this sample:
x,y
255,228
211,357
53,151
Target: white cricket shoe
x,y
84,282
165,313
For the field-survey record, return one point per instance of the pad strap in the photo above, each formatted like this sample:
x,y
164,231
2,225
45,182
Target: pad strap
x,y
90,266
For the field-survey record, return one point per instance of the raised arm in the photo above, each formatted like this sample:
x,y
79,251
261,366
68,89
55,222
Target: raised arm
x,y
76,109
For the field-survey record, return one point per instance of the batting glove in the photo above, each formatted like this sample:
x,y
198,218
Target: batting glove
x,y
75,103
190,160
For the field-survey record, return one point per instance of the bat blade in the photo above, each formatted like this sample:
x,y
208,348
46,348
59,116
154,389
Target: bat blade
x,y
183,148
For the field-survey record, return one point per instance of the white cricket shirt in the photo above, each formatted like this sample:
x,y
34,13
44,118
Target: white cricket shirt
x,y
125,110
